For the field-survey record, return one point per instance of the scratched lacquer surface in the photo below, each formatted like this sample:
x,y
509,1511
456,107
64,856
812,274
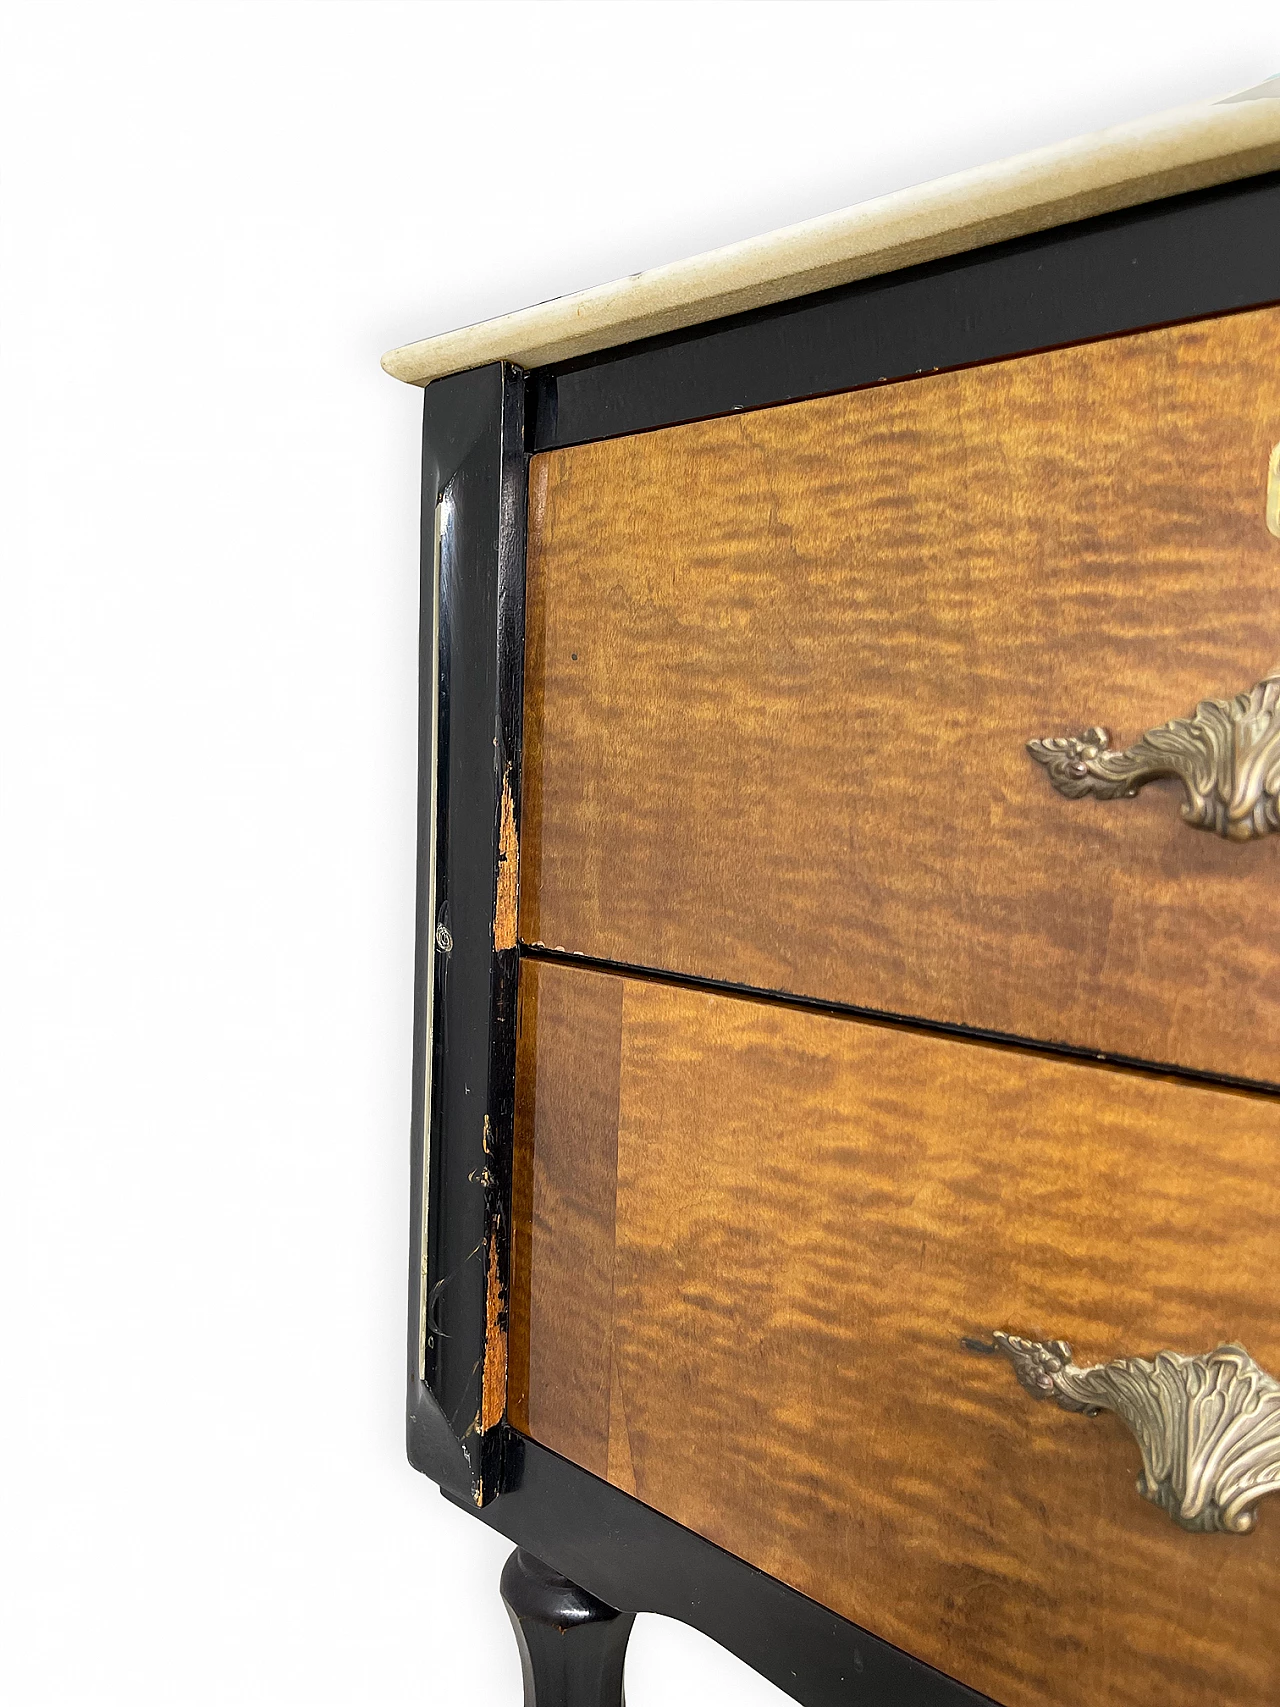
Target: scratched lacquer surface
x,y
751,1240
782,668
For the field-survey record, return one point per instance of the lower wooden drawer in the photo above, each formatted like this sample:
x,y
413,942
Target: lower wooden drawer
x,y
749,1241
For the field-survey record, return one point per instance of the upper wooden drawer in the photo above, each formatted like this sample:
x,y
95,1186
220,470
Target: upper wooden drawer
x,y
782,668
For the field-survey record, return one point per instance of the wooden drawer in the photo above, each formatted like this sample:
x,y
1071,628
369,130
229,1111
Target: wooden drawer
x,y
750,1239
782,668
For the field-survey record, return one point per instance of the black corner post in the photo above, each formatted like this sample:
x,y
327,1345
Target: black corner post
x,y
572,1646
472,647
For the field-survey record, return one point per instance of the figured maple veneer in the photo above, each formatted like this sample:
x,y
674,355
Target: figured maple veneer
x,y
563,1329
750,1239
782,667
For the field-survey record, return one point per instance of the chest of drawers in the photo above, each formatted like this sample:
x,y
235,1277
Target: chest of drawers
x,y
848,1007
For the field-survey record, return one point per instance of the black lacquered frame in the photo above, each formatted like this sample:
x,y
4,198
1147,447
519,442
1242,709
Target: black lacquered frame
x,y
1190,256
473,495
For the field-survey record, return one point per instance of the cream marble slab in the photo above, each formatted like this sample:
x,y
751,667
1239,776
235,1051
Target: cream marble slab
x,y
1187,149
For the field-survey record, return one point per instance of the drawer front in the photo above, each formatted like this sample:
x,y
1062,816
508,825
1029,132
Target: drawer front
x,y
783,667
750,1240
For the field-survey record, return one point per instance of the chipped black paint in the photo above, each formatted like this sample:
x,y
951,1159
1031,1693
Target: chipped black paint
x,y
474,467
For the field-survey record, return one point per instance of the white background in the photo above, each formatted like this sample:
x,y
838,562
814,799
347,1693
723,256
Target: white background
x,y
214,218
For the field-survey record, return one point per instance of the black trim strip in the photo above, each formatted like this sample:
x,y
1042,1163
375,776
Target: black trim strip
x,y
634,1558
906,1022
1186,258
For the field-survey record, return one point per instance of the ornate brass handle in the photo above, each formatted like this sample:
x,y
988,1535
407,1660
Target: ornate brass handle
x,y
1208,1426
1226,756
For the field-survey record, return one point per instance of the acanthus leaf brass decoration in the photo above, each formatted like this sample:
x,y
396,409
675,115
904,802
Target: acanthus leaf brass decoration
x,y
1226,756
1208,1426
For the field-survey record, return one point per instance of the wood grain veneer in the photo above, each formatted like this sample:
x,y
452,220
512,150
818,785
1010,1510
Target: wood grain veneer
x,y
564,1206
807,1214
781,668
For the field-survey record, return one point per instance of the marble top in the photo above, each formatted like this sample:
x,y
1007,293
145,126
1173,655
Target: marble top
x,y
1212,142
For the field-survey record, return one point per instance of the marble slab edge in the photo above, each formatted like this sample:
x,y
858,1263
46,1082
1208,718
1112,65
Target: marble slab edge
x,y
1145,160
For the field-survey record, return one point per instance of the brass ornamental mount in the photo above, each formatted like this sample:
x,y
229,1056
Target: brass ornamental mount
x,y
1208,1426
1226,755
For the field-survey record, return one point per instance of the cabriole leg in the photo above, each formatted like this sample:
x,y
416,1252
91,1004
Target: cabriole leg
x,y
572,1646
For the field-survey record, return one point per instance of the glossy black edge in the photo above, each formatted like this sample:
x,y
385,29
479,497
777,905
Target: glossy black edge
x,y
634,1558
474,469
908,1022
1204,253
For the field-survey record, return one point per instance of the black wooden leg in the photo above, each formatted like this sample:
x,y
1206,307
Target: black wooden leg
x,y
572,1646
